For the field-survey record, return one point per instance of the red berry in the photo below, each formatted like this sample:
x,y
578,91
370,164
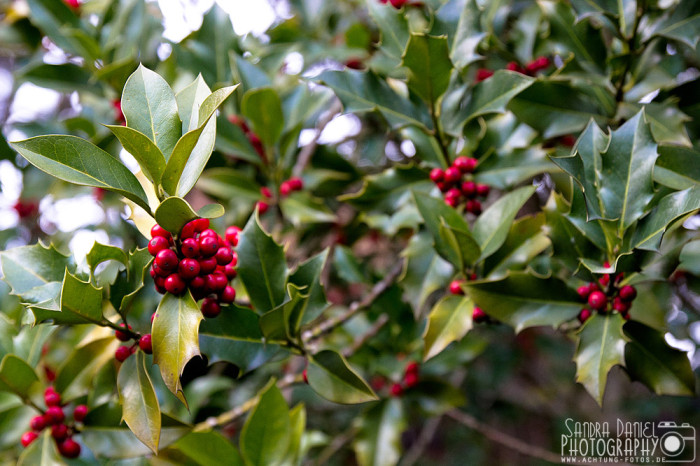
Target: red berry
x,y
122,336
201,224
188,230
483,74
597,300
542,62
296,183
80,412
442,186
396,390
583,291
354,64
398,3
471,164
75,4
412,367
513,66
483,190
54,414
462,164
262,207
232,235
621,306
190,248
456,287
452,175
197,283
531,67
157,244
584,315
208,246
145,344
59,432
452,201
469,189
51,398
410,379
37,423
228,295
454,192
265,192
437,175
69,448
122,353
223,256
28,437
593,287
478,315
306,378
159,271
174,284
166,260
474,207
628,293
605,280
188,269
158,230
207,266
215,282
230,271
210,307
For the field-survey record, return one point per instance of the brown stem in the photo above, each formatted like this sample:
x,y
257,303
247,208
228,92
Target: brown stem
x,y
371,333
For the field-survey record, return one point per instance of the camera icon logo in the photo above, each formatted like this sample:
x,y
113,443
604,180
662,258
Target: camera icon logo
x,y
677,442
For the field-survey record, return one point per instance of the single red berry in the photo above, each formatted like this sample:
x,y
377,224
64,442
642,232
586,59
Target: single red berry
x,y
153,316
265,192
483,74
483,190
471,164
174,284
145,344
69,448
531,67
208,246
478,315
412,367
122,353
37,423
188,269
28,438
597,300
201,224
442,186
583,291
223,256
122,336
584,315
210,307
232,235
208,233
166,260
54,414
216,282
453,192
354,64
542,63
462,164
452,175
628,293
228,295
51,398
398,3
190,248
157,244
593,287
605,280
437,175
59,432
158,230
80,412
197,283
475,207
473,276
469,189
452,201
207,266
262,207
456,287
513,66
305,376
234,259
160,283
621,306
396,390
296,183
410,379
75,4
188,231
159,271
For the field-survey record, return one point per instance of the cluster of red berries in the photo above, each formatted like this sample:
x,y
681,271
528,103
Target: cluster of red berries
x,y
410,379
199,259
144,342
456,189
614,299
60,431
478,315
253,138
530,69
286,188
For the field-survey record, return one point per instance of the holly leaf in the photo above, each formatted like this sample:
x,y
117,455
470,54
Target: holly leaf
x,y
283,322
100,253
526,240
331,376
265,436
387,191
428,61
77,372
493,94
522,300
393,27
79,303
681,23
16,376
261,266
425,272
677,167
28,267
208,449
378,440
175,338
601,345
174,212
449,321
147,154
130,281
263,108
140,408
307,276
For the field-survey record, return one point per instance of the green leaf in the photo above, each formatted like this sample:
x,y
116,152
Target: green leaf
x,y
29,342
147,154
76,374
523,300
651,361
667,122
263,108
493,94
189,100
175,338
301,208
282,322
104,252
601,345
463,29
28,267
677,167
141,410
492,226
193,149
690,257
362,92
297,418
78,161
651,228
265,435
378,441
208,449
124,290
227,183
80,303
429,66
506,169
16,376
425,273
681,23
393,26
449,321
388,190
261,267
174,212
307,276
42,452
331,376
150,107
525,241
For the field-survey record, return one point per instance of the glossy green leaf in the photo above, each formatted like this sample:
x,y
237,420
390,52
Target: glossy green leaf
x,y
227,183
297,418
388,190
208,449
667,122
150,107
75,375
651,228
265,435
78,161
493,94
425,272
506,169
523,300
80,303
42,452
282,322
51,17
526,240
651,361
491,228
105,252
189,100
449,320
16,376
261,266
378,441
362,92
467,33
28,343
147,154
331,376
690,257
175,338
308,276
174,212
677,167
601,345
393,27
263,108
141,410
125,289
681,23
28,267
429,66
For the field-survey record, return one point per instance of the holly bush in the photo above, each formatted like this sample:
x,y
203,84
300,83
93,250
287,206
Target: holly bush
x,y
505,208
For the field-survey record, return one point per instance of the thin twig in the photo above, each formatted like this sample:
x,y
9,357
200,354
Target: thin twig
x,y
426,436
333,447
371,333
504,439
308,150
